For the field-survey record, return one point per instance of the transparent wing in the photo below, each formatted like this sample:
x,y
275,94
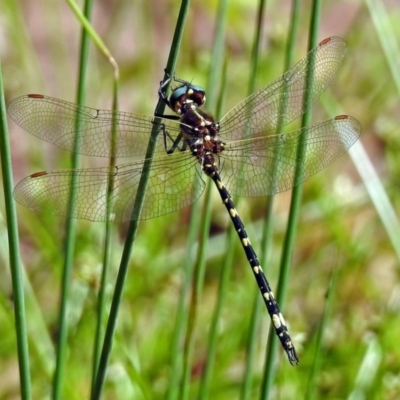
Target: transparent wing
x,y
283,100
266,166
174,182
55,121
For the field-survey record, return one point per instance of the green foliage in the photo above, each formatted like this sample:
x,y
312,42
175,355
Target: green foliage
x,y
345,263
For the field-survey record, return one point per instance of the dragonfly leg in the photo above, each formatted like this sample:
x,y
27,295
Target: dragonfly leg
x,y
161,90
163,84
175,142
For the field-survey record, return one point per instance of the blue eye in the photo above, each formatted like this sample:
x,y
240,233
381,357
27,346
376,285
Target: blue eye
x,y
177,93
197,88
196,94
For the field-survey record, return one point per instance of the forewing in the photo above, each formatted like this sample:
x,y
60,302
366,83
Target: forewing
x,y
57,121
283,100
266,166
174,182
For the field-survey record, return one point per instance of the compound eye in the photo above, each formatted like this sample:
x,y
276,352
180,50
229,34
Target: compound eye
x,y
197,95
186,94
177,98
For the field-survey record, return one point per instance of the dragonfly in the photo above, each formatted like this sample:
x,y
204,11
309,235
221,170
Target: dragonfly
x,y
245,153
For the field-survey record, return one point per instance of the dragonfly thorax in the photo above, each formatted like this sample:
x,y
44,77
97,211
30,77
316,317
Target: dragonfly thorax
x,y
199,128
200,132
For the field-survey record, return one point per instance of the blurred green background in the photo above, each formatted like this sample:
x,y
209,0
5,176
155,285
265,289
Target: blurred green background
x,y
341,229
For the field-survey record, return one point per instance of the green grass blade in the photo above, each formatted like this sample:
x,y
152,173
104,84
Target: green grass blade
x,y
181,322
101,301
70,239
388,40
14,252
228,260
387,36
212,90
132,229
315,369
272,339
197,288
368,370
294,212
101,305
251,347
372,182
88,28
378,195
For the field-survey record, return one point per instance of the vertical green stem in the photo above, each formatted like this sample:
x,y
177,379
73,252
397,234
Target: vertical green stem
x,y
223,284
101,303
315,365
69,247
251,346
197,288
14,252
294,211
282,283
212,90
181,323
133,226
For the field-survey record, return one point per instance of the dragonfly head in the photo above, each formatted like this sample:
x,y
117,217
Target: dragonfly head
x,y
187,94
